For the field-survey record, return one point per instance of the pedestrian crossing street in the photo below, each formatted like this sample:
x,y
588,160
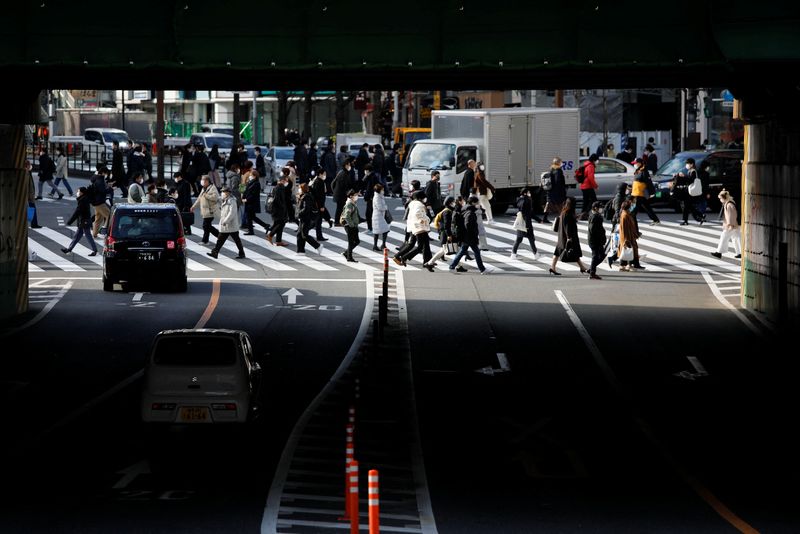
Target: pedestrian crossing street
x,y
666,248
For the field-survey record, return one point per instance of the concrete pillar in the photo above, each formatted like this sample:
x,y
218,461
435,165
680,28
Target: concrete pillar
x,y
771,189
13,222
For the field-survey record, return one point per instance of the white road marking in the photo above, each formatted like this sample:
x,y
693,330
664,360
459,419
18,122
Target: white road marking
x,y
721,298
65,241
39,316
51,257
291,295
698,367
503,360
34,268
255,256
222,260
289,254
130,474
137,297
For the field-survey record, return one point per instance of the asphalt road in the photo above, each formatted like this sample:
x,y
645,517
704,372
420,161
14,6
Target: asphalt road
x,y
638,403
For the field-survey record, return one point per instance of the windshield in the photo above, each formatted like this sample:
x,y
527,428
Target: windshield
x,y
284,153
157,224
678,163
431,156
412,137
228,131
223,142
199,351
110,137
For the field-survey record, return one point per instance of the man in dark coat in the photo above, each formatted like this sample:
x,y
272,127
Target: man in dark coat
x,y
433,193
280,211
312,159
252,204
301,160
184,200
317,190
378,160
468,182
361,160
341,185
201,166
597,239
261,164
470,238
328,163
118,170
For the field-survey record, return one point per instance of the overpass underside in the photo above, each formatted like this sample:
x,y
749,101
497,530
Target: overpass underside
x,y
754,50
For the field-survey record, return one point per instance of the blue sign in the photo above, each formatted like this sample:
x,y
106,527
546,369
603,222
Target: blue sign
x,y
727,96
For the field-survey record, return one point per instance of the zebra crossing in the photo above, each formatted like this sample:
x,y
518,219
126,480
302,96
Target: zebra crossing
x,y
666,248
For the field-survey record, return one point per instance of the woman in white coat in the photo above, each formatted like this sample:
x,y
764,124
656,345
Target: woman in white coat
x,y
228,224
380,225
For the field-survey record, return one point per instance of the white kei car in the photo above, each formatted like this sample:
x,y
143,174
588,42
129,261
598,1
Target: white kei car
x,y
200,376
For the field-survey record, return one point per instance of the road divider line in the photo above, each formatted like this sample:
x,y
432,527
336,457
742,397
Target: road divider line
x,y
270,519
56,298
704,493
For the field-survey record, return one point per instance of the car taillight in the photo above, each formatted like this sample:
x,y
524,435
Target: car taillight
x,y
109,246
182,243
163,406
224,406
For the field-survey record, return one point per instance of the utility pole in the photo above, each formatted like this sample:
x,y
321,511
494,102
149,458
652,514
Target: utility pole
x,y
253,119
160,134
605,122
123,108
560,98
683,119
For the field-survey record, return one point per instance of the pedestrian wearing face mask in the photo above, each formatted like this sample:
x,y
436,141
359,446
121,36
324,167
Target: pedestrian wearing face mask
x,y
589,186
597,239
730,226
523,224
470,237
307,212
420,225
350,219
380,223
62,172
643,189
557,193
690,189
252,204
280,211
82,216
468,181
485,192
318,189
208,201
341,185
228,224
136,191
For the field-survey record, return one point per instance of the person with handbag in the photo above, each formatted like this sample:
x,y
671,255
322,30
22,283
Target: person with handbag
x,y
568,248
252,203
381,218
485,192
730,226
523,223
469,239
317,188
82,216
628,250
690,190
445,233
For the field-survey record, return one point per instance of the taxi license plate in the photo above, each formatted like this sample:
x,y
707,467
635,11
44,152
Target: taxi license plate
x,y
194,414
148,256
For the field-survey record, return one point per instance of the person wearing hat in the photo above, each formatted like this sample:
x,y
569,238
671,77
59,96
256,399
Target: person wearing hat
x,y
83,217
470,239
228,224
419,224
445,231
643,189
597,239
350,219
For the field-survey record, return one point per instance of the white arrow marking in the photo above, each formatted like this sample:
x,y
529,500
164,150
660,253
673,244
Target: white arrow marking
x,y
138,297
501,357
291,296
130,473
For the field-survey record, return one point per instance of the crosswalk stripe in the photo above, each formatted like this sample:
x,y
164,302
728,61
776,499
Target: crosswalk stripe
x,y
329,254
289,254
363,250
64,241
194,265
689,237
34,268
51,257
227,262
710,229
257,257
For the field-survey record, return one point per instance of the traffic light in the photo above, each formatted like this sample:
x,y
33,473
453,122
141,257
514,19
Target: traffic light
x,y
707,106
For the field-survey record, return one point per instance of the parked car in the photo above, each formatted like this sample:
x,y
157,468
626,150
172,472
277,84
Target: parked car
x,y
608,173
208,140
145,242
724,172
277,157
226,129
200,376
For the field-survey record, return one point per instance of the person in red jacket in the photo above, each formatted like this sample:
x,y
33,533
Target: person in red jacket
x,y
588,187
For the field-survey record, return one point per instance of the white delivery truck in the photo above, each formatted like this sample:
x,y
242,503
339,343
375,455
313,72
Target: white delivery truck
x,y
516,145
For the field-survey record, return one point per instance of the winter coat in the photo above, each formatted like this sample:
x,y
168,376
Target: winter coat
x,y
457,227
568,238
135,165
446,225
597,233
208,200
589,181
61,167
642,184
378,161
46,168
261,165
307,209
341,157
234,181
558,192
201,164
418,221
83,212
730,213
362,159
651,163
280,207
471,230
229,219
31,188
467,183
184,201
379,224
328,162
483,185
317,188
350,216
627,230
117,169
433,193
617,201
252,194
341,185
525,207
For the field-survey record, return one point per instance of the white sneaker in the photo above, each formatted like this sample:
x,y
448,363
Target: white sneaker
x,y
536,256
513,256
486,271
320,249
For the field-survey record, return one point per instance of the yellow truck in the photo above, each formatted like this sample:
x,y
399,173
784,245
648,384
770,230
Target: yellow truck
x,y
405,137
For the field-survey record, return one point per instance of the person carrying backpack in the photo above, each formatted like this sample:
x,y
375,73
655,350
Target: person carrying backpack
x,y
730,226
588,186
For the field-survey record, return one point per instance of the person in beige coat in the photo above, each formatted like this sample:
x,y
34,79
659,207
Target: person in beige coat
x,y
228,224
730,226
208,200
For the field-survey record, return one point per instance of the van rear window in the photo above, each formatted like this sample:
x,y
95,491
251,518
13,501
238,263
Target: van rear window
x,y
196,351
156,224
